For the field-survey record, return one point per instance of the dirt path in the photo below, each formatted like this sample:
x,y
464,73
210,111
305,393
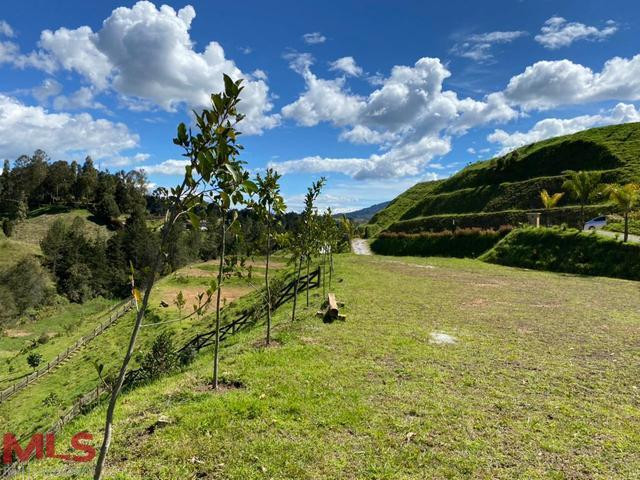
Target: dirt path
x,y
360,246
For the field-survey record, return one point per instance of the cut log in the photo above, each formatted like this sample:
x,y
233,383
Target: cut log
x,y
332,306
332,311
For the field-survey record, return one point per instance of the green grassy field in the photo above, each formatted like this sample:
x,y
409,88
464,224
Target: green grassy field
x,y
61,326
26,411
12,251
541,383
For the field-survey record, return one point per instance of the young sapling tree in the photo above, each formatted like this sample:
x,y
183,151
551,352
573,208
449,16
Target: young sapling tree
x,y
269,205
211,170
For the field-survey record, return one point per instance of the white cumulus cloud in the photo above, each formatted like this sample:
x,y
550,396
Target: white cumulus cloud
x,y
48,88
346,65
548,84
168,167
6,30
409,116
554,127
146,55
557,32
24,128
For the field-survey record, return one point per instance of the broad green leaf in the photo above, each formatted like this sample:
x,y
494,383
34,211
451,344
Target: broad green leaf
x,y
195,220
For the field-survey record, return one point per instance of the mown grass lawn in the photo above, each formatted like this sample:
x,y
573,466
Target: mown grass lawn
x,y
541,383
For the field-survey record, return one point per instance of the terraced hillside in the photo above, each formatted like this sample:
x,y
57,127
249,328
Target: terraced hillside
x,y
483,193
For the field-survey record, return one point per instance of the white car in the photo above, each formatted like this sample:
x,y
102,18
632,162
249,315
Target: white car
x,y
595,223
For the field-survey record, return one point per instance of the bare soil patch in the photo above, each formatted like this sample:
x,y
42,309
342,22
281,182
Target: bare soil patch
x,y
262,343
224,385
15,333
229,294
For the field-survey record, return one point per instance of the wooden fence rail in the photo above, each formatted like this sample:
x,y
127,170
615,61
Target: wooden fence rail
x,y
198,342
116,313
248,317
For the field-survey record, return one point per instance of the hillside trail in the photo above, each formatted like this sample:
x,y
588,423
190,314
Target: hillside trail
x,y
360,246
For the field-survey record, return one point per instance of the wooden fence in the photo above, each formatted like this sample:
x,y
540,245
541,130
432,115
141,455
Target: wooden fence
x,y
248,317
117,312
198,342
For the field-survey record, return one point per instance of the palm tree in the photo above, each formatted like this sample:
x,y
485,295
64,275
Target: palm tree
x,y
550,201
626,198
582,186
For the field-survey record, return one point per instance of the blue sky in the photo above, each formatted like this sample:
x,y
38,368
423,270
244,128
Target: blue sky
x,y
374,95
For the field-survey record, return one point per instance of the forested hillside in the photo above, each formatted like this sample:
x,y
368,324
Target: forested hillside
x,y
70,231
497,191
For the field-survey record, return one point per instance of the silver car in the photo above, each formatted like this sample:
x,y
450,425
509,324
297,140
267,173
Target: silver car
x,y
595,223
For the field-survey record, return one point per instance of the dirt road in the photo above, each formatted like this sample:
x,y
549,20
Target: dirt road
x,y
360,246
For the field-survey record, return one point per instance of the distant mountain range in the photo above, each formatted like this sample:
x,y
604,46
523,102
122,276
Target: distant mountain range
x,y
364,214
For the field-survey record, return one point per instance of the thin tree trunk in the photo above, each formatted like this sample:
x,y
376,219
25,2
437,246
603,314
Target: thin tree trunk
x,y
266,281
308,262
581,216
108,428
324,273
295,289
216,350
626,226
330,266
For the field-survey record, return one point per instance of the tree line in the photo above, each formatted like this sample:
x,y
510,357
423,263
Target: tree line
x,y
34,181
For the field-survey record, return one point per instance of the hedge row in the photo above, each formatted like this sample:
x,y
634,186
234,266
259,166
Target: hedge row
x,y
493,220
569,251
468,242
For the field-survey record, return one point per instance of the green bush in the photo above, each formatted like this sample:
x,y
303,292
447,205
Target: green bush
x,y
28,284
161,359
467,242
569,251
493,220
8,226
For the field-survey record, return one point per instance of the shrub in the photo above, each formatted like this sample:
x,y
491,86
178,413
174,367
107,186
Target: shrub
x,y
34,359
467,242
51,400
28,284
8,308
187,356
7,226
569,251
162,358
486,220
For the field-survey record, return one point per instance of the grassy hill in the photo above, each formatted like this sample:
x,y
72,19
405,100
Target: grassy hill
x,y
64,324
26,237
536,386
35,227
513,182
